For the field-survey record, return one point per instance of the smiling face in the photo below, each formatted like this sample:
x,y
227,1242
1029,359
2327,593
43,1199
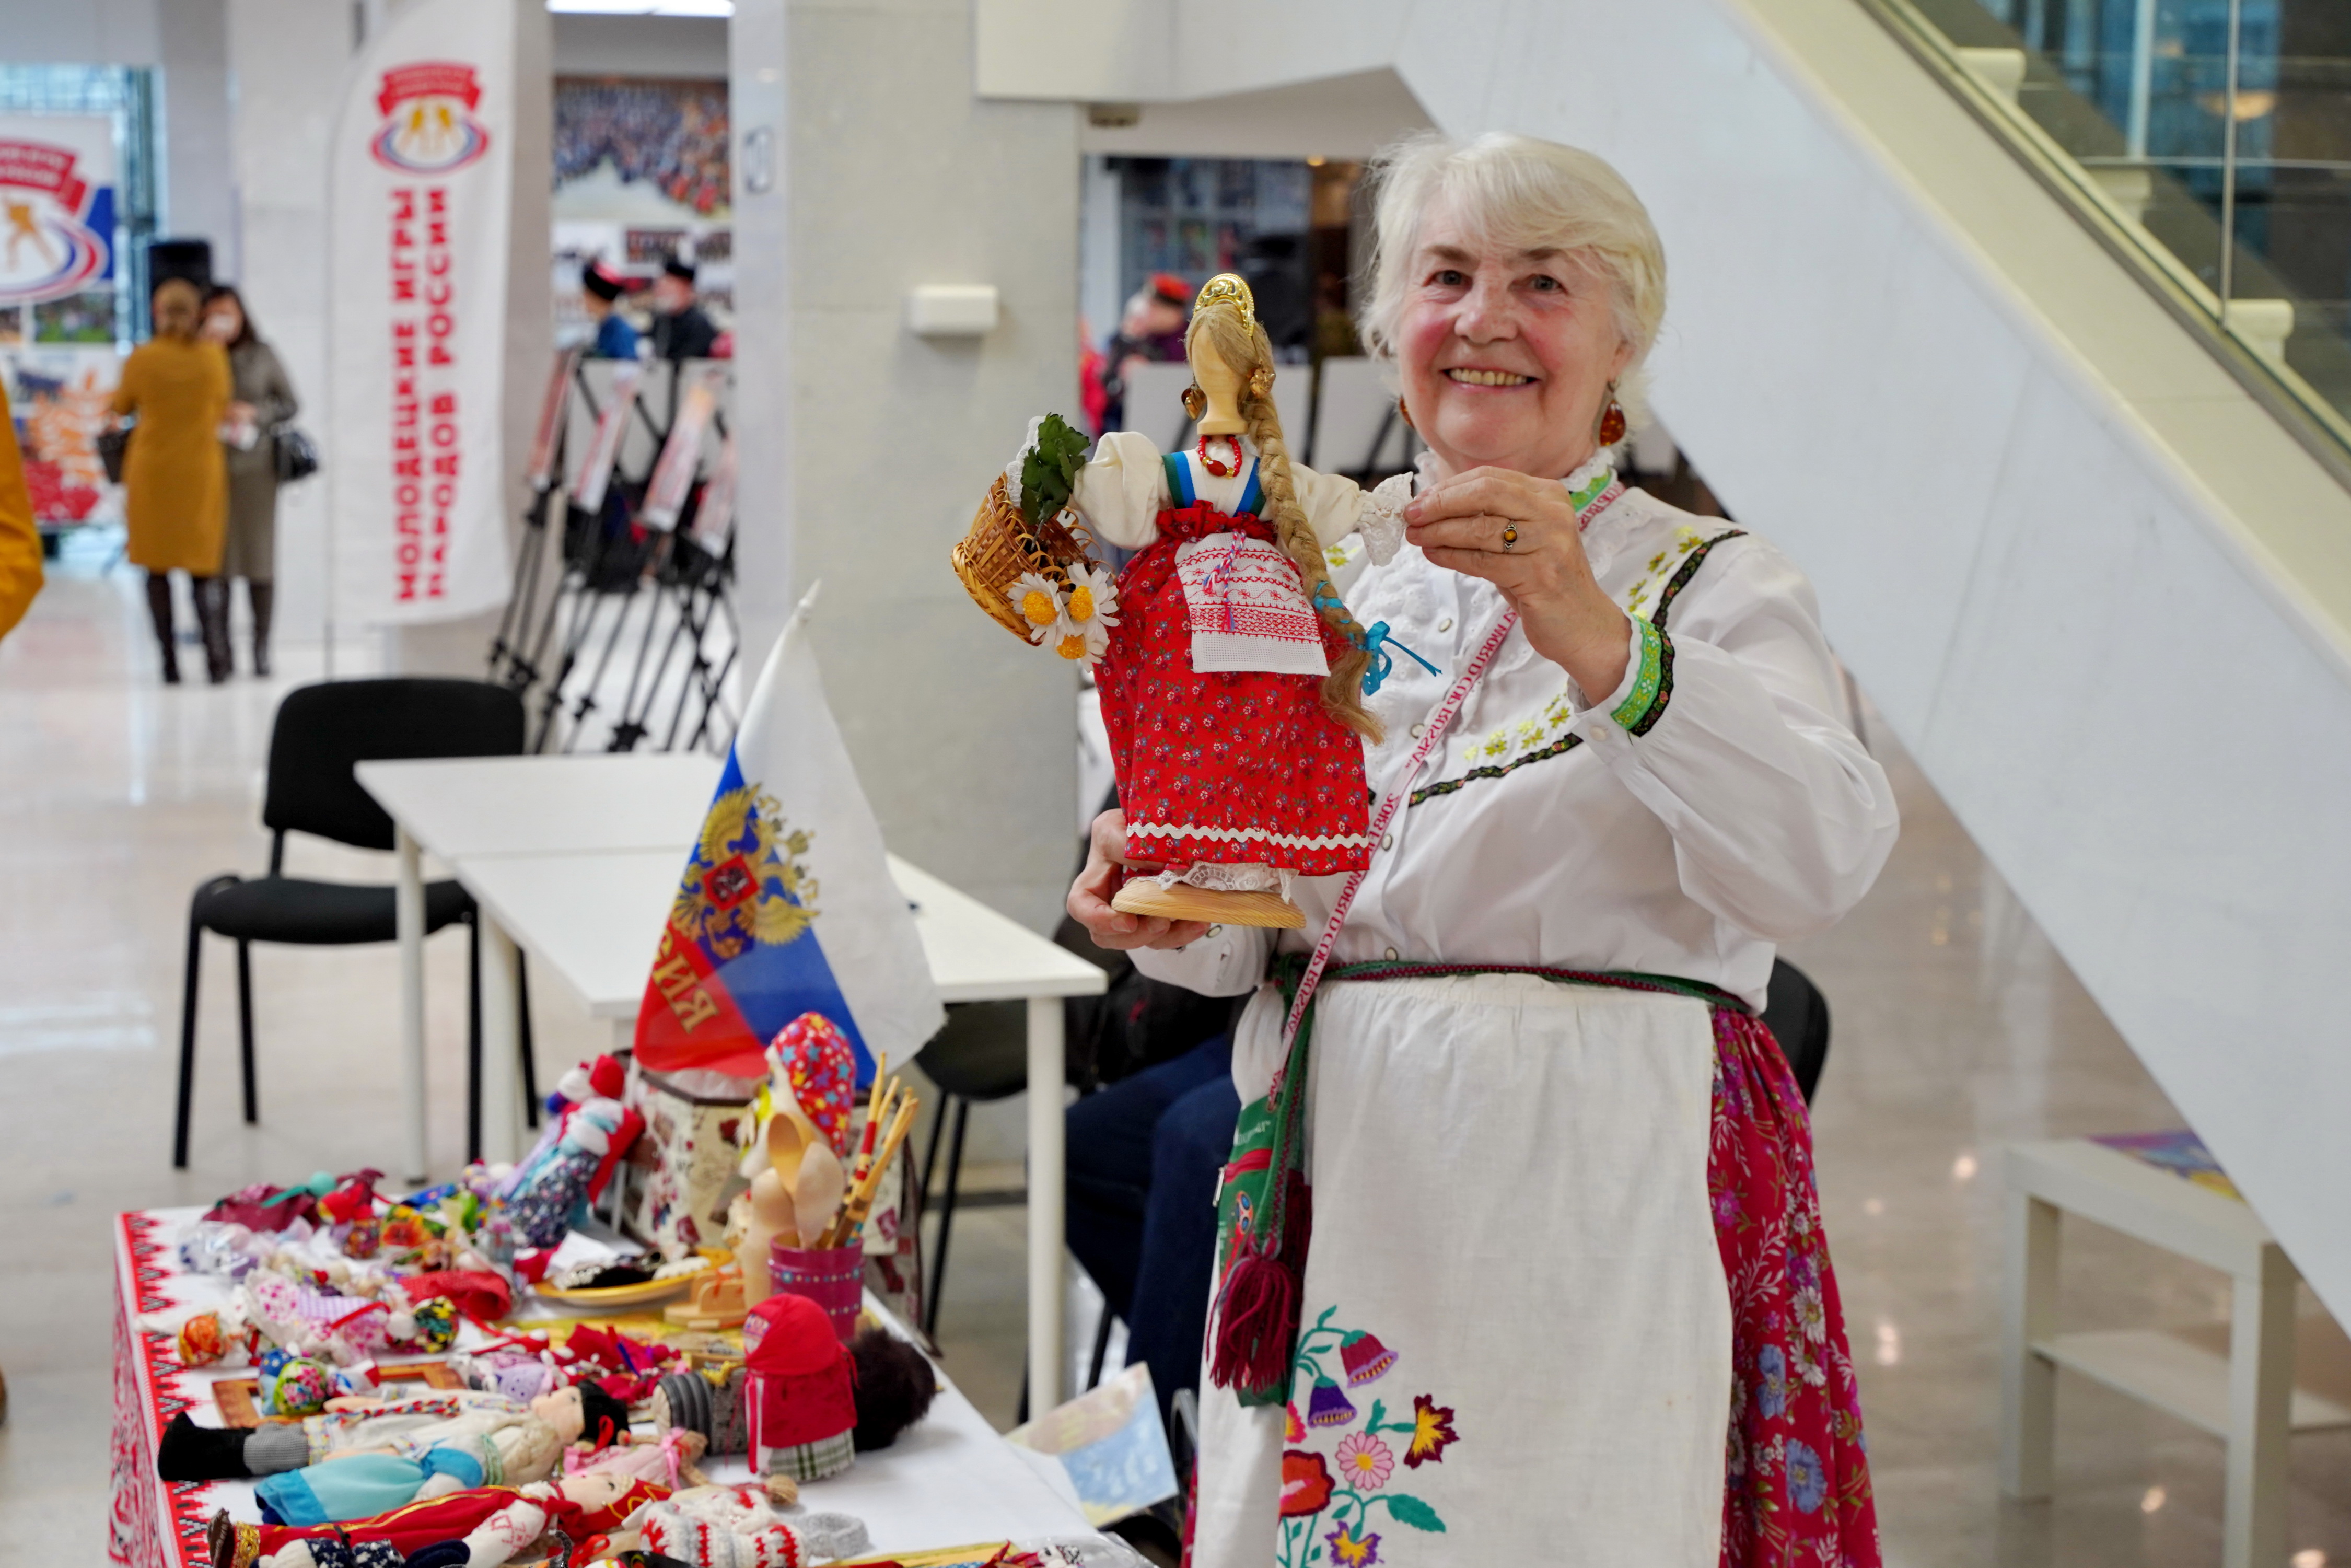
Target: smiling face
x,y
1505,356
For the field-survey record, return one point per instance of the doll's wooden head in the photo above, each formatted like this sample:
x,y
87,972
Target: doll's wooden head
x,y
1228,350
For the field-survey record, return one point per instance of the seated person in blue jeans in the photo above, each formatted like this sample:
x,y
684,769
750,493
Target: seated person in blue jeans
x,y
1144,1155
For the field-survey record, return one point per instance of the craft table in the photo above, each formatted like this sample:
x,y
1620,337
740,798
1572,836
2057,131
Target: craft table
x,y
592,913
949,1481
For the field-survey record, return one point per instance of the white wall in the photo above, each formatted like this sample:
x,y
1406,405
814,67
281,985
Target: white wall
x,y
865,449
590,45
2099,592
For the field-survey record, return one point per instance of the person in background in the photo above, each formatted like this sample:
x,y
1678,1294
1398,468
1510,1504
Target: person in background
x,y
20,566
601,289
264,399
680,331
174,479
1151,331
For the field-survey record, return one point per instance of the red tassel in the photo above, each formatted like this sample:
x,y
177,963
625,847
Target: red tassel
x,y
1257,1321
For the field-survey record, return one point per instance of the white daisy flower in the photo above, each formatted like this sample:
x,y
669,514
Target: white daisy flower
x,y
1092,607
1038,599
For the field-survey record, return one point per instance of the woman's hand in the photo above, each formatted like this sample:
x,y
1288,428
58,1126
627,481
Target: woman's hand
x,y
1090,897
1461,523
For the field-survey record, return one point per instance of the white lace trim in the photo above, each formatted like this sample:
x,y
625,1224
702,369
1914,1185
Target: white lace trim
x,y
1243,835
1380,521
1253,876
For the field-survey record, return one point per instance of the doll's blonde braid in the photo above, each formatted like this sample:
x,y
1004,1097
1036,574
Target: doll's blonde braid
x,y
1343,689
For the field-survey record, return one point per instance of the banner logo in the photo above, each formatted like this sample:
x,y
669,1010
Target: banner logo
x,y
429,126
46,250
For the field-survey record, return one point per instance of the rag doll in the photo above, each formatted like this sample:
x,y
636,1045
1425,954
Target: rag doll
x,y
479,1527
1232,677
366,1456
738,1527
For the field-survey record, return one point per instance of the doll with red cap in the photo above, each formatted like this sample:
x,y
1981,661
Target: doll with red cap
x,y
799,1391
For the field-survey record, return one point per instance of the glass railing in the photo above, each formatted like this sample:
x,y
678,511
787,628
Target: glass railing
x,y
2207,140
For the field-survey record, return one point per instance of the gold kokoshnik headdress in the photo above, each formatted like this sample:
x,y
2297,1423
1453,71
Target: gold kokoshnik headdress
x,y
1228,288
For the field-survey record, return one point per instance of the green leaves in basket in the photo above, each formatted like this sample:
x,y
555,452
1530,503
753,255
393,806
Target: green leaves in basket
x,y
1049,470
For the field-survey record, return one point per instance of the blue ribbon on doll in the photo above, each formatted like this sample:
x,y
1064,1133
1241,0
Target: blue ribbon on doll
x,y
1376,642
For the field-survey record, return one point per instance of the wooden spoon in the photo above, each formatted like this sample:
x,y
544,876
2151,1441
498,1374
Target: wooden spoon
x,y
770,1222
816,1198
789,1136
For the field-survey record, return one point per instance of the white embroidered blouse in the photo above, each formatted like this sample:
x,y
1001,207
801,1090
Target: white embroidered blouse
x,y
1682,827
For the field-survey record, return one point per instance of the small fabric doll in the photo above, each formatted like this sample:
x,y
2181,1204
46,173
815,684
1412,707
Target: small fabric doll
x,y
800,1394
484,1439
479,1527
550,1193
738,1527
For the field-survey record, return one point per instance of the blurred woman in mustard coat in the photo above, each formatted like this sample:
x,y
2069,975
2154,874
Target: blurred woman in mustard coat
x,y
174,473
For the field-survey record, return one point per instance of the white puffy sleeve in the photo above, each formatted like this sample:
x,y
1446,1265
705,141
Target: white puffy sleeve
x,y
1733,728
1336,506
1228,961
1122,491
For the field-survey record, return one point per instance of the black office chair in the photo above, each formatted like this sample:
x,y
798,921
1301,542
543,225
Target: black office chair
x,y
1798,1017
320,733
980,1056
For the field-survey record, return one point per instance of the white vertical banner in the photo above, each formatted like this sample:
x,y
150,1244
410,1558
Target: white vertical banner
x,y
420,203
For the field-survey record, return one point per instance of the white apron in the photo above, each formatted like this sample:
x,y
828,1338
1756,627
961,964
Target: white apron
x,y
1516,1343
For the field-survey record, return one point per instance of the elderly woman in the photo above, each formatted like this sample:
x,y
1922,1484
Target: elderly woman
x,y
1566,1297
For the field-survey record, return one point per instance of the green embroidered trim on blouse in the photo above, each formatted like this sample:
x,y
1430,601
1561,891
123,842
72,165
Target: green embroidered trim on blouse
x,y
1643,694
1643,721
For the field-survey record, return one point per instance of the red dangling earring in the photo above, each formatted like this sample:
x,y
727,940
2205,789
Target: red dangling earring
x,y
1403,411
1612,421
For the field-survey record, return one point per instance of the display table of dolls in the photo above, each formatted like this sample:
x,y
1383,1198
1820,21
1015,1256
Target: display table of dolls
x,y
948,1480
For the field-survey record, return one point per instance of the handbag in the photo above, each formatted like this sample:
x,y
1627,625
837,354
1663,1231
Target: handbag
x,y
292,453
113,446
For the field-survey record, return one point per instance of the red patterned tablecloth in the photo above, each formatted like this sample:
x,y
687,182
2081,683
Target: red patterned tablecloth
x,y
153,1525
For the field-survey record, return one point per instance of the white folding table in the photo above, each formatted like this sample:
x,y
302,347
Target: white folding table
x,y
591,912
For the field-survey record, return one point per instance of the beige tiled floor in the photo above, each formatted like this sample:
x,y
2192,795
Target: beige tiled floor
x,y
1957,1028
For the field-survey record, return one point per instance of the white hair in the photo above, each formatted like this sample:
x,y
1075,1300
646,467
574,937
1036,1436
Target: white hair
x,y
1524,194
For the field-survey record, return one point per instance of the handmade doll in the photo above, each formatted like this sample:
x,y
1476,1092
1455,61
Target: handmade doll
x,y
738,1527
369,1455
1232,678
479,1527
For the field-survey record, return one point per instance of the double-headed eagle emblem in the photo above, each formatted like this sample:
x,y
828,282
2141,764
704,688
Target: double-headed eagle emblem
x,y
745,883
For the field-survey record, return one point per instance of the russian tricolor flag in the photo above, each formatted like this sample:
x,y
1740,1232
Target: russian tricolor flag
x,y
787,906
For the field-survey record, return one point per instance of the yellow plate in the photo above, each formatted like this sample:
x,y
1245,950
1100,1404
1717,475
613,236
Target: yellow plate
x,y
632,1295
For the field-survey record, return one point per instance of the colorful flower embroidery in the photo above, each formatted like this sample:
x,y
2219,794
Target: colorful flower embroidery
x,y
1351,1550
1305,1483
1432,1432
1327,1518
1293,1430
1365,1461
1327,1406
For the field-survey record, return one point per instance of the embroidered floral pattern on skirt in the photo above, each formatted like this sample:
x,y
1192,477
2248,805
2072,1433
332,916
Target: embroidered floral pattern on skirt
x,y
1228,768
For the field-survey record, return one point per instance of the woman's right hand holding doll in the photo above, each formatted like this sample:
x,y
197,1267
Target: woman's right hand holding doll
x,y
1089,896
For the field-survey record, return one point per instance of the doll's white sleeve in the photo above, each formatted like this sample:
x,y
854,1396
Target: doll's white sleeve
x,y
1336,506
1122,491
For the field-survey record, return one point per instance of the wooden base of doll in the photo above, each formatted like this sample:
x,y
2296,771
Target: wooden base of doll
x,y
1216,906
